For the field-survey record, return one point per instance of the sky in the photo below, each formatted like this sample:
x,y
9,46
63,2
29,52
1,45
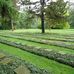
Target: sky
x,y
70,0
54,0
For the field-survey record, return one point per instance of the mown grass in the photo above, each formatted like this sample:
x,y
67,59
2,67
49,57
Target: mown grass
x,y
57,31
54,31
39,61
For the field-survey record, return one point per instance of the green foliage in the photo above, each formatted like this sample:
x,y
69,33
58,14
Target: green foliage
x,y
27,20
71,18
24,20
5,69
56,10
7,13
56,14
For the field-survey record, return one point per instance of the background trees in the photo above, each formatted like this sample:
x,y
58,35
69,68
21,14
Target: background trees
x,y
55,14
25,20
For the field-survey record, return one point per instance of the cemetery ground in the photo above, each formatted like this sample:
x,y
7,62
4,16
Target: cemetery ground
x,y
31,52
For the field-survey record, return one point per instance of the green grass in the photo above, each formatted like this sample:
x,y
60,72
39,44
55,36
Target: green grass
x,y
39,61
49,47
55,31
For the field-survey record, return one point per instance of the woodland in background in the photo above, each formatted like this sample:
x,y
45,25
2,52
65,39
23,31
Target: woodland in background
x,y
57,15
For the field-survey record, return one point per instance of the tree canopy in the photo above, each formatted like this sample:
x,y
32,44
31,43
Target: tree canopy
x,y
57,14
7,12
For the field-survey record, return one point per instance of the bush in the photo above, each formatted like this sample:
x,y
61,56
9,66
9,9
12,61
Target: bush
x,y
5,69
64,25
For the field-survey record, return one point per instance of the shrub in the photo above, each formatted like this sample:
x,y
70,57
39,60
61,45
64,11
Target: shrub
x,y
5,69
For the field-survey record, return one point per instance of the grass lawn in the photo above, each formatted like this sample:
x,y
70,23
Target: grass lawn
x,y
40,61
57,31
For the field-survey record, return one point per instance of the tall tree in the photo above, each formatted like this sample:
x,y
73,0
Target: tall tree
x,y
57,12
7,12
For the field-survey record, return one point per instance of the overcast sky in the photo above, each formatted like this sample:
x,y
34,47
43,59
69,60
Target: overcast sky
x,y
54,0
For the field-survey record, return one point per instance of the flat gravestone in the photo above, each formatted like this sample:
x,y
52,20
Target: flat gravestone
x,y
6,61
22,70
2,55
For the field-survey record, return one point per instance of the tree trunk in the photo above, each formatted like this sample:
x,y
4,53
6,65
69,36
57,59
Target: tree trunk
x,y
12,25
42,16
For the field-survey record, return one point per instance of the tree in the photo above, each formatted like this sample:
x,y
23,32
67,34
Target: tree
x,y
71,15
37,10
8,13
53,12
25,20
42,15
56,14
